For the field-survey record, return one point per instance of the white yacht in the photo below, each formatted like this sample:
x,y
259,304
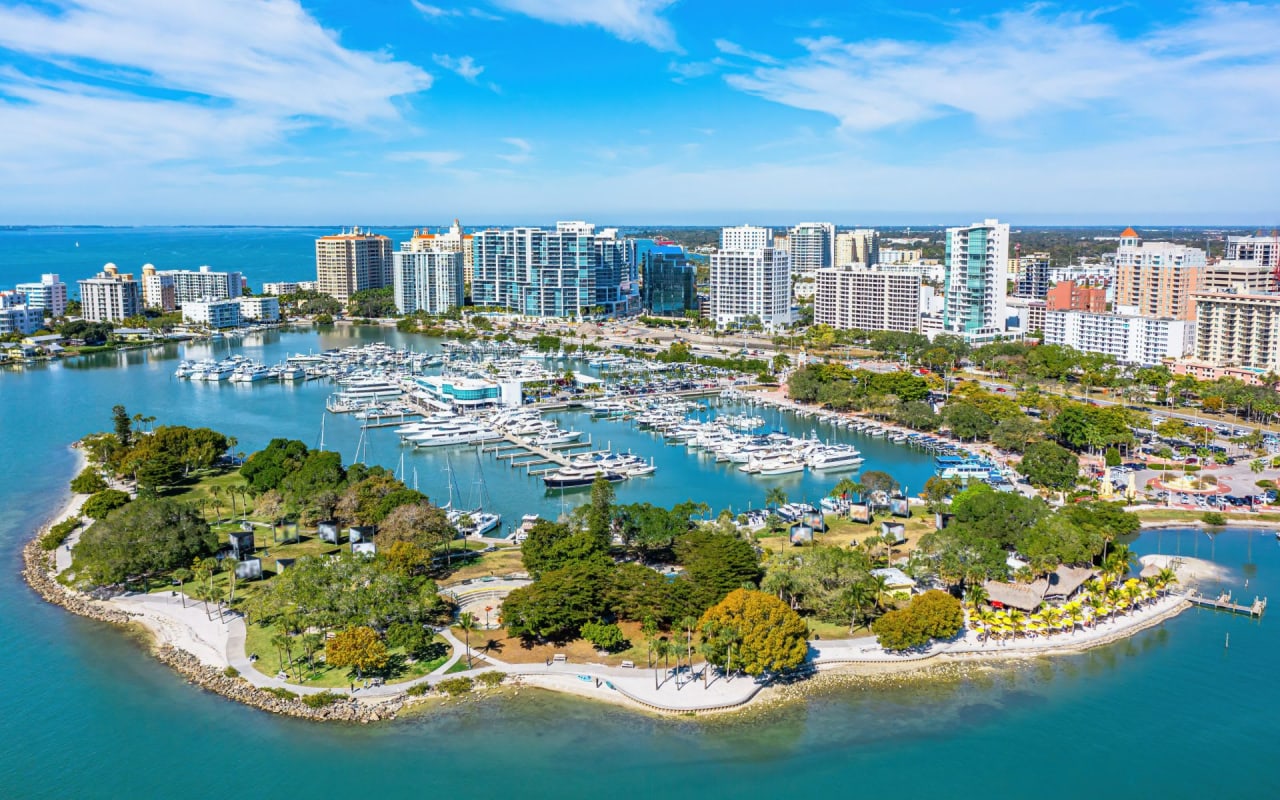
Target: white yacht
x,y
834,457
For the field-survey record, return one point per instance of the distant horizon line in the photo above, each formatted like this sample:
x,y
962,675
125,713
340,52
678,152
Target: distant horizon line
x,y
1266,229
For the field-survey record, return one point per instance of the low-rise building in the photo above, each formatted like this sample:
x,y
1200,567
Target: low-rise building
x,y
858,298
259,309
215,314
278,288
16,316
1242,276
1208,371
1026,314
1125,336
1072,296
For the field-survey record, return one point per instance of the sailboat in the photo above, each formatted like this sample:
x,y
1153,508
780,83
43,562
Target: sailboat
x,y
479,521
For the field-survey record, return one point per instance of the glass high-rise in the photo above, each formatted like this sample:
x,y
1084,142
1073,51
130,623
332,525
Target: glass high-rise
x,y
668,284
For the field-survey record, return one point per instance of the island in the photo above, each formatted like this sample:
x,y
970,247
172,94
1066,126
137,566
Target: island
x,y
301,585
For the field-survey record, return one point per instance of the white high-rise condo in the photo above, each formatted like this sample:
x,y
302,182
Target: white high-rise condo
x,y
428,278
858,298
975,278
110,296
812,246
50,294
750,280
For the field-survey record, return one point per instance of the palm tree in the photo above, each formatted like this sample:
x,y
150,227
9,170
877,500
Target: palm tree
x,y
216,491
775,497
1017,620
467,621
661,647
182,575
976,595
229,564
1096,605
1115,596
1074,613
860,596
880,589
844,487
985,618
283,643
1166,577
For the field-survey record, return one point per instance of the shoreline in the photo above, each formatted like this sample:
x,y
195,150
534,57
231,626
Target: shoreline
x,y
39,572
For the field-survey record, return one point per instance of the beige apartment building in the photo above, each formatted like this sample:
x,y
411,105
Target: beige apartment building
x,y
859,298
1240,330
1235,275
352,261
1158,278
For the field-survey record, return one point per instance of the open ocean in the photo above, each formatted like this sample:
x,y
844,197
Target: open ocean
x,y
85,713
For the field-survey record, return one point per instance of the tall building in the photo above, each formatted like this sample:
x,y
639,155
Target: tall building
x,y
859,298
1263,249
49,294
352,261
668,283
203,284
1125,336
746,237
1072,296
811,246
1241,330
861,246
158,289
110,296
453,239
975,280
428,278
1240,276
1033,276
573,271
1158,278
750,281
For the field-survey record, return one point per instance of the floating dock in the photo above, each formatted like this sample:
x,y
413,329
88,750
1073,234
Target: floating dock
x,y
1223,602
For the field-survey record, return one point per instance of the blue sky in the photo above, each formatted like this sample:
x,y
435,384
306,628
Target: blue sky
x,y
638,111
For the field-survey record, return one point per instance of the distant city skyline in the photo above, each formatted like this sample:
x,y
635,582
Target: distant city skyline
x,y
146,112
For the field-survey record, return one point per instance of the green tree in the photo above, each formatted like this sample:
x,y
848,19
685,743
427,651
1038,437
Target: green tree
x,y
1050,466
600,512
932,615
605,636
553,545
359,647
122,424
558,603
145,537
99,505
715,564
768,635
467,621
775,497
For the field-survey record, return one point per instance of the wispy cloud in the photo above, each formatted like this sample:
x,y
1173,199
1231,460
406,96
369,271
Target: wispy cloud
x,y
149,81
436,158
524,151
439,13
733,49
464,66
629,20
688,70
1010,69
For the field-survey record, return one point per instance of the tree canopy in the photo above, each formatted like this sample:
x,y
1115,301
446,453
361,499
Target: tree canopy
x,y
145,537
757,630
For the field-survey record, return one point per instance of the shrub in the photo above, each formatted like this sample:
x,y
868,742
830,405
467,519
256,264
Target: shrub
x,y
1215,519
1112,457
231,672
605,636
932,615
281,693
88,482
490,679
104,502
455,686
321,699
418,689
59,533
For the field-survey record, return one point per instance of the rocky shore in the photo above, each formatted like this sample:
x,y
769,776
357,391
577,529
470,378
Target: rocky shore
x,y
38,570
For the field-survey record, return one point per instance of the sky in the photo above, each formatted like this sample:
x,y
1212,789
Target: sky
x,y
696,112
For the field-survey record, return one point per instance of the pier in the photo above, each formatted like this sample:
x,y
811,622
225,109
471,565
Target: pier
x,y
1223,602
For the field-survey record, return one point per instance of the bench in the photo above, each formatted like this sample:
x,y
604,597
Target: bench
x,y
559,658
629,665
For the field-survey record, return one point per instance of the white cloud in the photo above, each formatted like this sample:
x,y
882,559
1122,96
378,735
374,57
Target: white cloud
x,y
150,82
524,151
1008,71
465,66
689,70
629,20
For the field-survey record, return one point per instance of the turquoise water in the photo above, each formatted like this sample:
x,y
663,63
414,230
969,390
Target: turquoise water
x,y
1170,713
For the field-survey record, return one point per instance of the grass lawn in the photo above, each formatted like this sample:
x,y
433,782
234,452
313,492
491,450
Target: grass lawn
x,y
1176,514
503,561
516,651
842,533
258,640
